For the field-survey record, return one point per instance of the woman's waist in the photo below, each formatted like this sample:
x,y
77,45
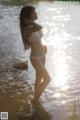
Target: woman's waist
x,y
37,50
35,56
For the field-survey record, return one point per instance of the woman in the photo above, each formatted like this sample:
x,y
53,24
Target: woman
x,y
31,37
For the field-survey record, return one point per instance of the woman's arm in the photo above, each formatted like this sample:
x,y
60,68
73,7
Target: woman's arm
x,y
31,27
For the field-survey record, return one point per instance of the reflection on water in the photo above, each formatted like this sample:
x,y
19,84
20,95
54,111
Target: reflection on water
x,y
60,79
61,23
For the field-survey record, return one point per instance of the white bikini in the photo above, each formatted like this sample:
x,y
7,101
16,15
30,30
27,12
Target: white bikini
x,y
36,37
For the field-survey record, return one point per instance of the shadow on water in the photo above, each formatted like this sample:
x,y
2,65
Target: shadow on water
x,y
37,112
17,102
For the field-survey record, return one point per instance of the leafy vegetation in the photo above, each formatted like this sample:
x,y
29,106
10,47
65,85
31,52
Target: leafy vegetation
x,y
18,2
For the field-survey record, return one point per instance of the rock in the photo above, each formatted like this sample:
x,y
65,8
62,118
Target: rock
x,y
21,65
1,17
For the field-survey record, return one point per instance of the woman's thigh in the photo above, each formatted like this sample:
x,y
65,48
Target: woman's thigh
x,y
36,63
40,68
43,60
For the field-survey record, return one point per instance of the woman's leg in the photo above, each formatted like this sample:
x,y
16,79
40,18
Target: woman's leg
x,y
35,64
44,83
37,84
42,78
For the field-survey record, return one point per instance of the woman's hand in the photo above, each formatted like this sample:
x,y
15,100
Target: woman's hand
x,y
45,48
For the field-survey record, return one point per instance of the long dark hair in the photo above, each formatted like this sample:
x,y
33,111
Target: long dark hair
x,y
25,14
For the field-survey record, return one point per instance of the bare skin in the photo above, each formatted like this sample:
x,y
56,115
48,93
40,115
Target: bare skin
x,y
42,76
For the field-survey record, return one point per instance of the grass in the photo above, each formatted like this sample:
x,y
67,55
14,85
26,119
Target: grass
x,y
75,110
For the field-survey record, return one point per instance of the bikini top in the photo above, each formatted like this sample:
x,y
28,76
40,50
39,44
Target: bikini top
x,y
35,37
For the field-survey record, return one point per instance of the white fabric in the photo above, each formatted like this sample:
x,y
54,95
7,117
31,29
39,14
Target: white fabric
x,y
35,37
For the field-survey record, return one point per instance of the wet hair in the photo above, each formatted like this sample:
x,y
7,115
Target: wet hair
x,y
25,14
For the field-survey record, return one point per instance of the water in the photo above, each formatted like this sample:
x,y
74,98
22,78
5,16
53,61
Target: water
x,y
61,22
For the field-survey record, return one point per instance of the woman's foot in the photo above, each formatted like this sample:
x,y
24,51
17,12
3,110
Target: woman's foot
x,y
35,101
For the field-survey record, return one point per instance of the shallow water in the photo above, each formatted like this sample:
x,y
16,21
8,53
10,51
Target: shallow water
x,y
61,22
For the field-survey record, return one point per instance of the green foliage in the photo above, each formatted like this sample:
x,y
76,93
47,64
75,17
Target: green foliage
x,y
69,0
16,1
20,2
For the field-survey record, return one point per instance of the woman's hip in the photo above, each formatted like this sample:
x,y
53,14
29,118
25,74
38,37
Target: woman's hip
x,y
36,61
